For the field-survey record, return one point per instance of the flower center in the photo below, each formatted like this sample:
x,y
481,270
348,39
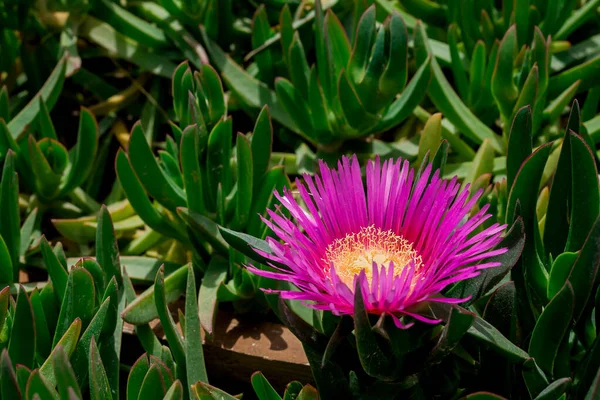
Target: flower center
x,y
358,251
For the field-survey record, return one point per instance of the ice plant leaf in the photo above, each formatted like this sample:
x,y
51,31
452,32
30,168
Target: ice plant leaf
x,y
195,367
99,387
66,344
38,387
535,379
49,93
205,391
263,388
176,342
519,143
65,376
555,390
584,272
143,309
80,358
9,218
556,229
143,331
21,347
215,275
585,202
550,328
107,251
175,392
9,387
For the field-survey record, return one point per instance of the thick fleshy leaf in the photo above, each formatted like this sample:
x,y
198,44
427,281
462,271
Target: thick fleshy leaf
x,y
530,271
57,272
482,164
261,144
559,272
174,339
149,173
458,324
207,298
99,386
190,167
48,93
21,347
203,391
484,332
550,328
246,244
153,384
556,229
504,90
431,137
298,66
204,228
83,154
245,183
195,367
261,32
585,202
4,301
9,387
139,199
218,150
65,345
136,377
519,143
535,379
175,392
144,332
48,161
38,387
584,272
555,390
263,388
9,218
80,358
78,302
65,376
143,309
29,233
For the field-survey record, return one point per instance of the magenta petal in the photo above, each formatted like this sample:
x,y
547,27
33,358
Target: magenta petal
x,y
429,212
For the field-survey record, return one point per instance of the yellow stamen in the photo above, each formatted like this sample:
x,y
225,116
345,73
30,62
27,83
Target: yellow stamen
x,y
357,251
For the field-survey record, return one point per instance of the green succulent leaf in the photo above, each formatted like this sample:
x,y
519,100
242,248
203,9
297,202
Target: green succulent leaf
x,y
9,387
195,367
99,386
49,93
21,347
9,218
552,325
66,345
143,309
64,374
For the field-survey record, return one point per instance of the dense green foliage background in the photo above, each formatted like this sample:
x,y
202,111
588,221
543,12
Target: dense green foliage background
x,y
141,142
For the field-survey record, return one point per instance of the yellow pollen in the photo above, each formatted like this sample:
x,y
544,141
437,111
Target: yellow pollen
x,y
357,251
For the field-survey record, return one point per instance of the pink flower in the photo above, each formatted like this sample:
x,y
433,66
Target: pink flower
x,y
402,239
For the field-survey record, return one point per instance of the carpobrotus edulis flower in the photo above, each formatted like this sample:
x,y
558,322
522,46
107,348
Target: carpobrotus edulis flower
x,y
402,238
